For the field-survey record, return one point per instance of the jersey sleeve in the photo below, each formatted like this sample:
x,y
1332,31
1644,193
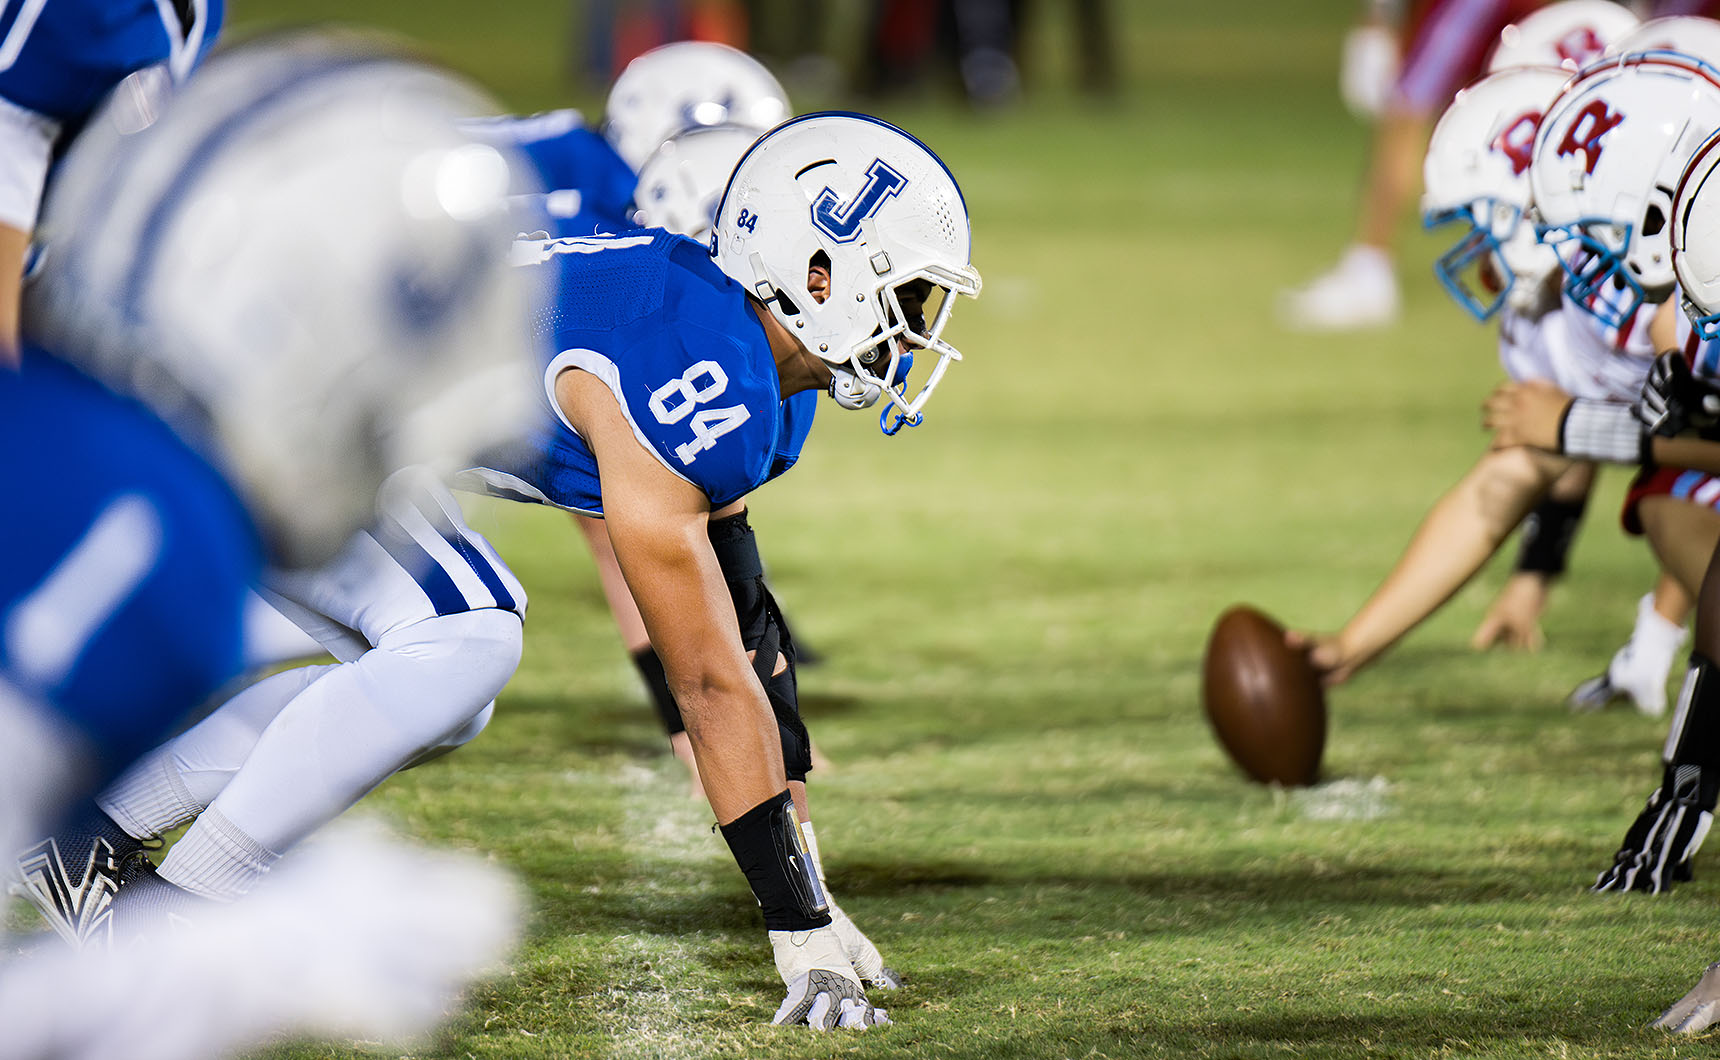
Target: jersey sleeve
x,y
708,408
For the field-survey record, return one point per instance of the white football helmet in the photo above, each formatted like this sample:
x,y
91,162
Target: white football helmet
x,y
683,180
302,267
885,215
1477,176
685,84
1696,239
1606,162
1570,35
1689,34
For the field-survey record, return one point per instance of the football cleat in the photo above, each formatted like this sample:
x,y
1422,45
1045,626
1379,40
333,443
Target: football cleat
x,y
1359,292
72,879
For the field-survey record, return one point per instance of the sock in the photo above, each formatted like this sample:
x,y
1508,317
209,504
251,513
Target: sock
x,y
216,860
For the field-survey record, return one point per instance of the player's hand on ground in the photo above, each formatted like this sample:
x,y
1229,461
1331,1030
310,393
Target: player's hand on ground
x,y
824,992
1324,654
1514,619
1525,414
1657,849
1696,1011
827,1000
867,961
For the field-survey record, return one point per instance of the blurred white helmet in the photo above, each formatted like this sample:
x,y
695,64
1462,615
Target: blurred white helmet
x,y
302,267
1607,160
683,180
1696,239
1570,35
686,84
1477,176
885,216
1689,34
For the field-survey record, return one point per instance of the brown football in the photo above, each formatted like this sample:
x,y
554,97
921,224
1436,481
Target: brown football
x,y
1264,700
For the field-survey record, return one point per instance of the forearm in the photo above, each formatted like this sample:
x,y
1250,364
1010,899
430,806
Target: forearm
x,y
1464,528
1687,451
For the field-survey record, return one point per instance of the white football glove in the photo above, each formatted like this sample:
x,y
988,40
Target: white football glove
x,y
824,999
823,990
867,961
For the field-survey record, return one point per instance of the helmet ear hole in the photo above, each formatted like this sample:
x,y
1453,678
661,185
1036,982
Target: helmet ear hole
x,y
1653,221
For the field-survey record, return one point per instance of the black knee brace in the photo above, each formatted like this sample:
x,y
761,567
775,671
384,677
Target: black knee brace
x,y
764,634
650,669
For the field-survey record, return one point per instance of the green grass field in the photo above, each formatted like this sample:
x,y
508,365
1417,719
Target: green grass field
x,y
1025,807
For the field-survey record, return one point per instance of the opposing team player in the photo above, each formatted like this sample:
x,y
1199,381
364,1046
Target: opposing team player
x,y
1447,44
840,246
1625,264
213,401
1676,421
58,62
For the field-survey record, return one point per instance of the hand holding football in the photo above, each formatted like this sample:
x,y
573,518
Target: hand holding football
x,y
1263,699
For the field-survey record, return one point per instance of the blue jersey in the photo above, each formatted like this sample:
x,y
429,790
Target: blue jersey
x,y
677,342
60,58
586,187
124,585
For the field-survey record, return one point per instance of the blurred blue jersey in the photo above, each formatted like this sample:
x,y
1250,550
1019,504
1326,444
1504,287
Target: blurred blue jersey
x,y
677,342
60,58
127,562
586,188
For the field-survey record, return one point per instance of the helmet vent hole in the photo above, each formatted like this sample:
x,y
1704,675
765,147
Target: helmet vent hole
x,y
1653,221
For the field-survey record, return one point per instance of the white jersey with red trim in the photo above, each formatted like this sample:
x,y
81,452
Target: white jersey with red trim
x,y
1573,349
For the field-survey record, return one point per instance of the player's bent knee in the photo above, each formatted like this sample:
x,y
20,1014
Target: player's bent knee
x,y
455,665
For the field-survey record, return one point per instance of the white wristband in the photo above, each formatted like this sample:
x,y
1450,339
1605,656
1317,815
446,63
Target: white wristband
x,y
1602,430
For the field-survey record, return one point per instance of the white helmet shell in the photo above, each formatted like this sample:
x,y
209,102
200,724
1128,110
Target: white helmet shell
x,y
1696,239
1607,160
686,84
883,211
683,180
1477,175
1688,34
302,267
1569,34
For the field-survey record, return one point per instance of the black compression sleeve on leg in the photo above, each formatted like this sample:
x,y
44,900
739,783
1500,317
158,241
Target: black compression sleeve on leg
x,y
1548,531
650,669
767,845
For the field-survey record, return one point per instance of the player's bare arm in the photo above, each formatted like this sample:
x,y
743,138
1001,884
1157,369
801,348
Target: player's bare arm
x,y
657,525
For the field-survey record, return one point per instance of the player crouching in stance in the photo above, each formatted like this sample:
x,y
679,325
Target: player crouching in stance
x,y
1479,173
1676,422
248,312
839,247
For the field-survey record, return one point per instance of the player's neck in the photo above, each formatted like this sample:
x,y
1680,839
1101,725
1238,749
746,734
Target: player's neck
x,y
797,368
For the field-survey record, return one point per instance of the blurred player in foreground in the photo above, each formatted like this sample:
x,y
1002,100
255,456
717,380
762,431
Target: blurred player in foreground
x,y
58,62
249,311
840,246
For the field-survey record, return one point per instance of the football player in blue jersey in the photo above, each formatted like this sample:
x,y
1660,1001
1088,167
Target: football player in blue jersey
x,y
681,116
247,313
58,62
840,246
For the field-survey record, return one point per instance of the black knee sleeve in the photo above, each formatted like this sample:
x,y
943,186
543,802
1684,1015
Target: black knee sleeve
x,y
650,669
1548,531
763,633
